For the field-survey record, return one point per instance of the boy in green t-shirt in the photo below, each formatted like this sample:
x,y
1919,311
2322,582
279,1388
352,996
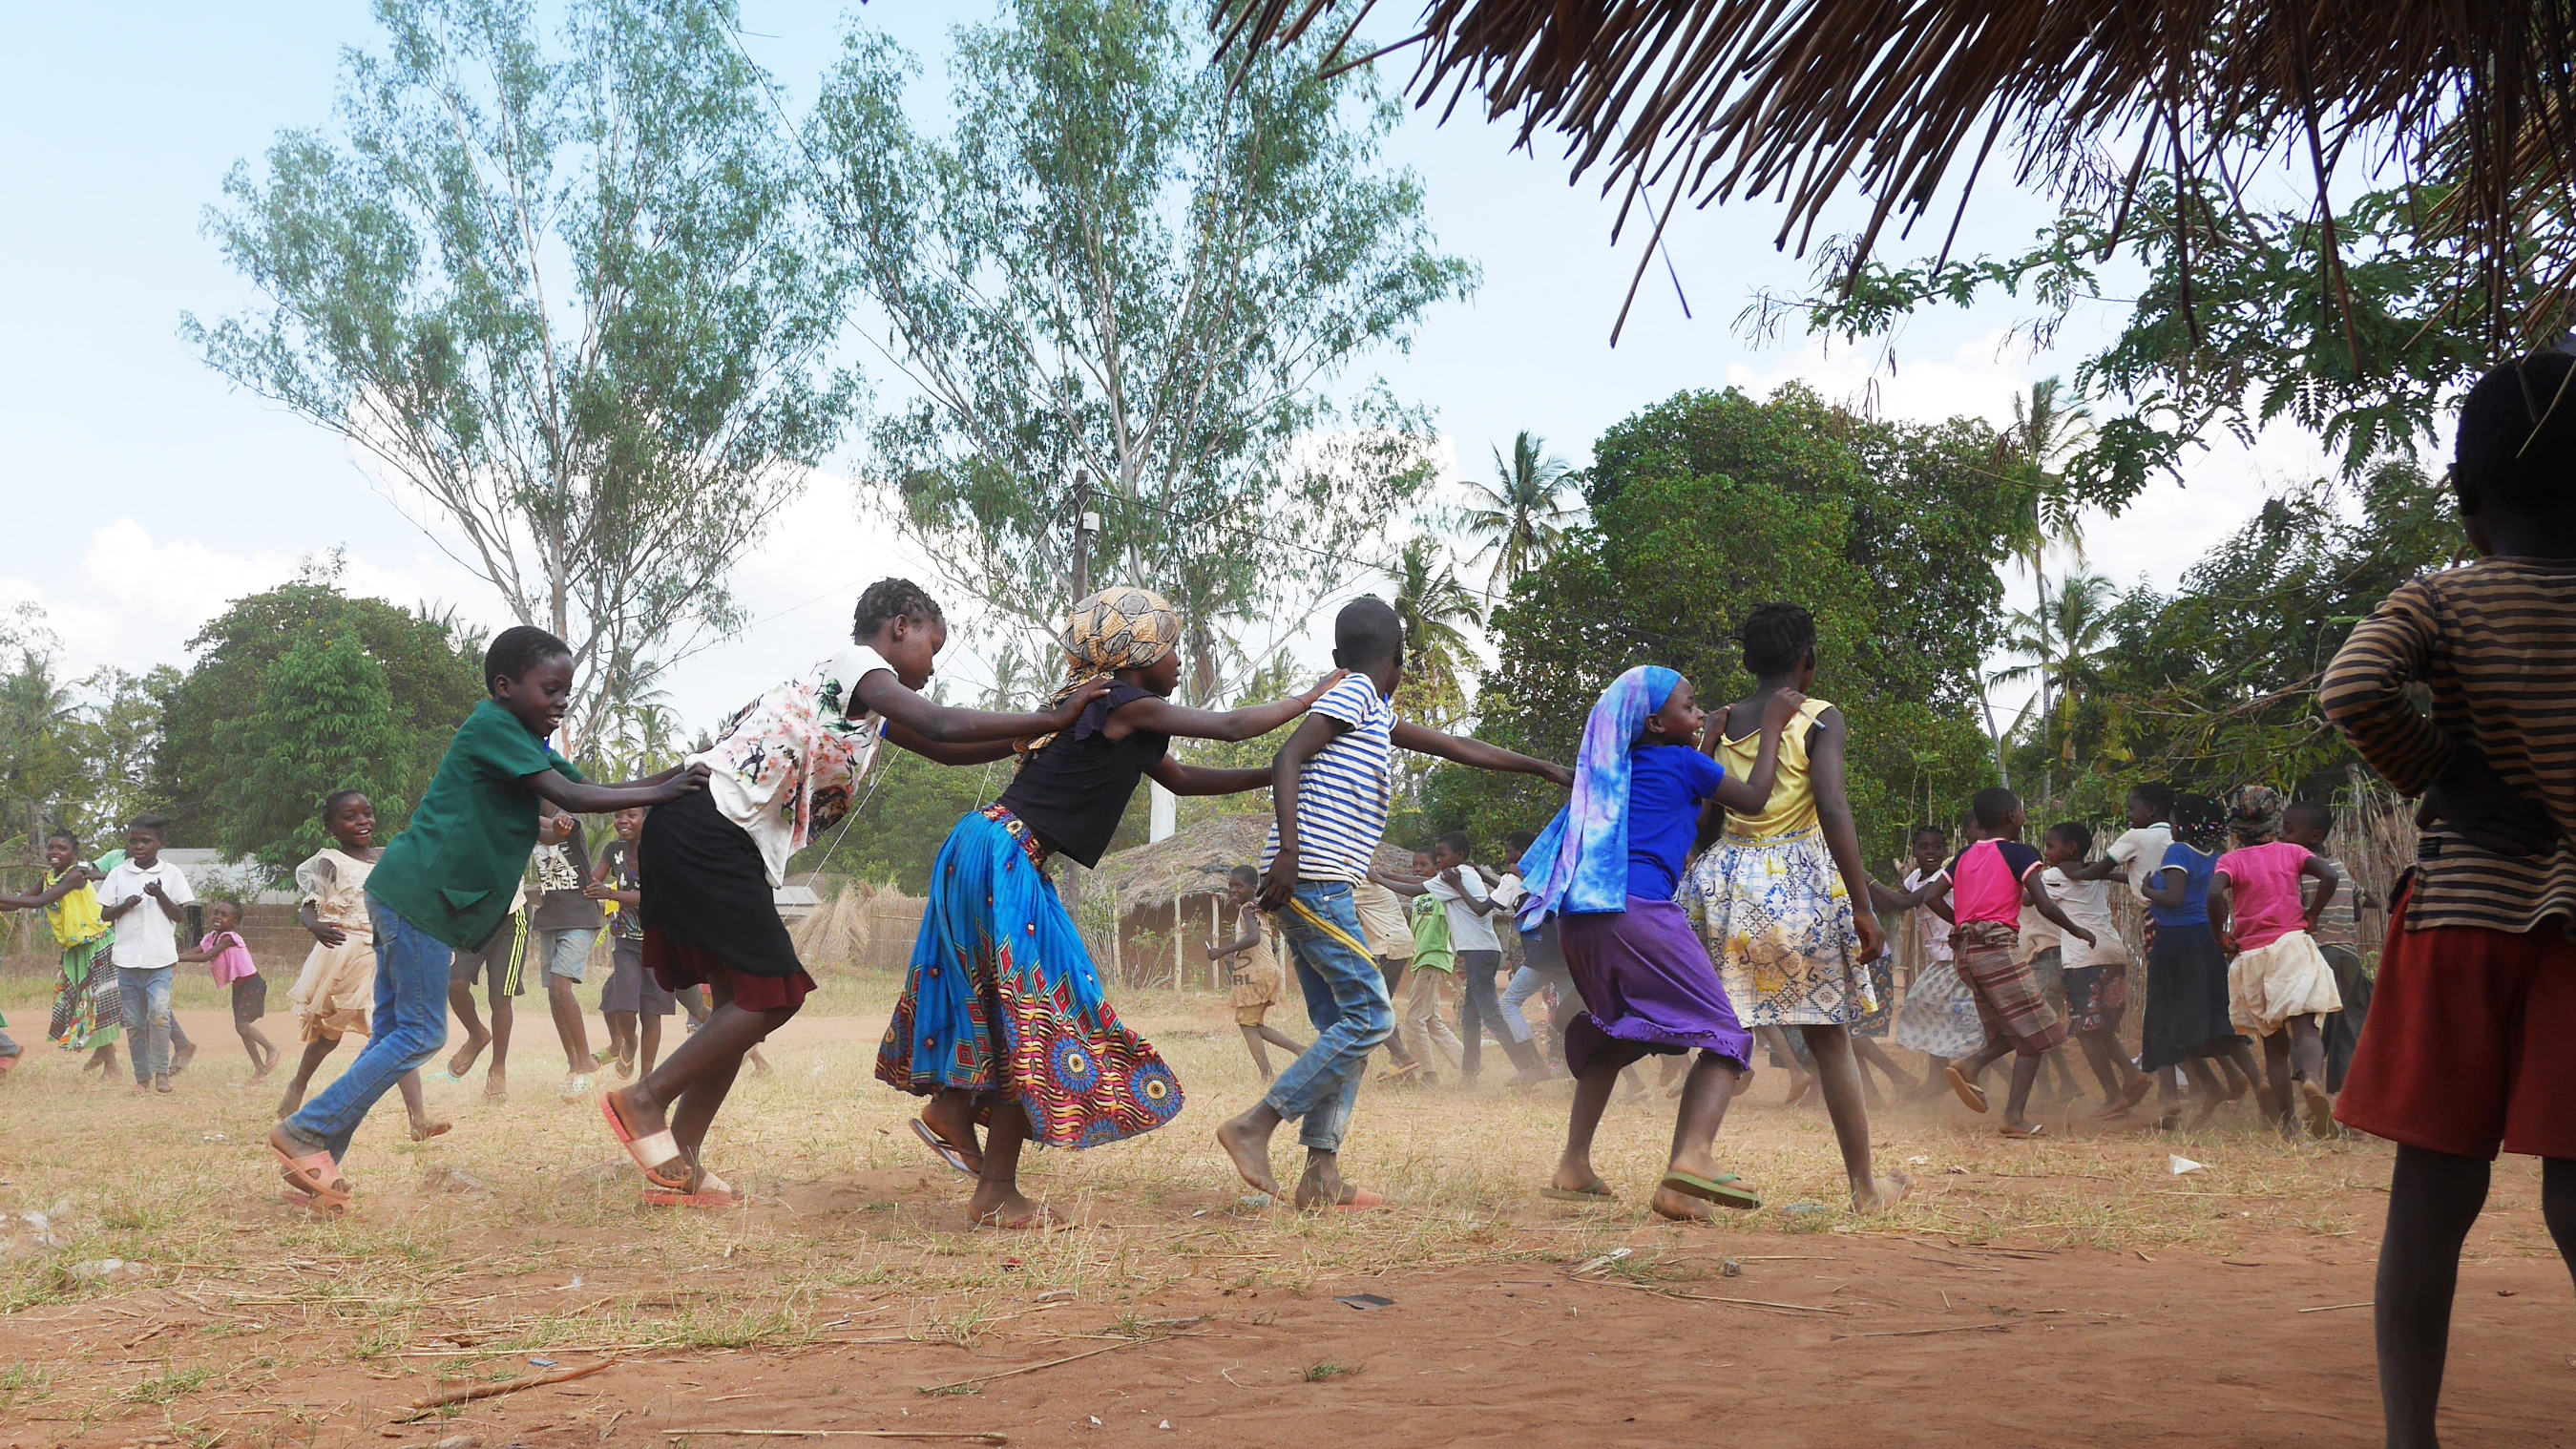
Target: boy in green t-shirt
x,y
1433,988
445,884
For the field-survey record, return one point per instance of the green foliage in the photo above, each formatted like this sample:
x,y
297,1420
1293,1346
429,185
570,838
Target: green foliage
x,y
233,727
569,295
1708,504
1126,260
72,754
325,721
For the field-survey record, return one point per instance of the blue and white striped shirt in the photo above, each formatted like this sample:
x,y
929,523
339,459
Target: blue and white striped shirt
x,y
1343,792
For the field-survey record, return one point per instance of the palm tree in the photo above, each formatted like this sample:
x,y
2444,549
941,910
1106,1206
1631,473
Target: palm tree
x,y
2046,431
1431,604
1517,519
2066,638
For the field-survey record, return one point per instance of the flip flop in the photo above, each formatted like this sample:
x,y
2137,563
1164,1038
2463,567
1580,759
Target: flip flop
x,y
1724,1191
297,1197
316,1176
1969,1092
657,1154
949,1152
1599,1191
1040,1221
446,1078
436,1129
1361,1200
711,1192
2035,1129
2321,1122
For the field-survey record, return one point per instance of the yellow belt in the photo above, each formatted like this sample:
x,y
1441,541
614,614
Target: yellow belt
x,y
1328,928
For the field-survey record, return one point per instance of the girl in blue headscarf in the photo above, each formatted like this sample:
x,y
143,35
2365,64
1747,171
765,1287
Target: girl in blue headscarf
x,y
1607,868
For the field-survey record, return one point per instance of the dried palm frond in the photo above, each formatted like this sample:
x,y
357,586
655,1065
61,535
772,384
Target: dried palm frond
x,y
1798,98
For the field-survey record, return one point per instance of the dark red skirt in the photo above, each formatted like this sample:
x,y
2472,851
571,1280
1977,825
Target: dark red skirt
x,y
679,967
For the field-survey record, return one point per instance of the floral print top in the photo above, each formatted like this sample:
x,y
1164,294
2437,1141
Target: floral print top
x,y
787,767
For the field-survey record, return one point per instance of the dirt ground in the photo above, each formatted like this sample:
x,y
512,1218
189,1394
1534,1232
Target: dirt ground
x,y
2073,1289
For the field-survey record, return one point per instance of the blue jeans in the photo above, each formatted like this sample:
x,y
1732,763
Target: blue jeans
x,y
410,1026
146,990
1320,1088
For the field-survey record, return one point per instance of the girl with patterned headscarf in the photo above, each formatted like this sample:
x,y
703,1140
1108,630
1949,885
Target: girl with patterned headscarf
x,y
1003,1020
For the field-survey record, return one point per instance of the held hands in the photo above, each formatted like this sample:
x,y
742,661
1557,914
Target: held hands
x,y
2486,809
1558,775
595,891
1081,698
1873,938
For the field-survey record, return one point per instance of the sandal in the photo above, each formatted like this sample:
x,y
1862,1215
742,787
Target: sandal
x,y
711,1192
1598,1191
958,1158
316,1176
1969,1092
657,1154
1361,1200
2035,1129
1725,1191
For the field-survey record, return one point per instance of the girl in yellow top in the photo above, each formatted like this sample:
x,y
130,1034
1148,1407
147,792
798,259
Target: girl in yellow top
x,y
88,1009
1782,896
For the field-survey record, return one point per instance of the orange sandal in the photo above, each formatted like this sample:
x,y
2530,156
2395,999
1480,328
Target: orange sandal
x,y
315,1176
664,1166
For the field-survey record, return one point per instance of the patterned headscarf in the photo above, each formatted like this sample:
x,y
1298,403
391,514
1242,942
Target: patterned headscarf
x,y
2254,815
1120,627
1579,864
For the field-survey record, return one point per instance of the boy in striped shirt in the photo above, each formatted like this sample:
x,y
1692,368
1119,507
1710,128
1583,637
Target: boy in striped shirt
x,y
2466,1049
1330,788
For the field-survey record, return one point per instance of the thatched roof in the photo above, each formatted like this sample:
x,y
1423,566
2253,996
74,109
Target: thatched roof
x,y
1797,98
1191,862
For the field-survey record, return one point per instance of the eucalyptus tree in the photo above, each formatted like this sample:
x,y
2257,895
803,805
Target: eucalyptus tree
x,y
567,295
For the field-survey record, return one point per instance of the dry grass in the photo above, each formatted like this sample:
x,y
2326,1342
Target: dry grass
x,y
519,1234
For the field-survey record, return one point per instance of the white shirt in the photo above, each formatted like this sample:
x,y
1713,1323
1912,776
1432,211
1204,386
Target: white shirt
x,y
2087,903
2140,853
1468,931
1934,931
146,937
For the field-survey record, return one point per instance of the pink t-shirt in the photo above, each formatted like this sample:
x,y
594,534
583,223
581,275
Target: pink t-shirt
x,y
1986,881
233,962
2263,892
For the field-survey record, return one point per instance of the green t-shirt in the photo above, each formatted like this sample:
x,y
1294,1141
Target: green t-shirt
x,y
1431,950
456,870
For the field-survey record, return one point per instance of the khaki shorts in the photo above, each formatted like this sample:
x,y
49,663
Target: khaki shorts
x,y
1382,923
1251,1015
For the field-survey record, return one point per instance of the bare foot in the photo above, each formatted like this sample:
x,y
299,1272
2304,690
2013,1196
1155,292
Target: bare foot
x,y
2208,1109
952,1116
642,1118
468,1054
423,1131
293,1100
496,1086
1681,1207
1799,1086
1321,1185
1576,1176
266,1067
1000,1205
1885,1191
1249,1149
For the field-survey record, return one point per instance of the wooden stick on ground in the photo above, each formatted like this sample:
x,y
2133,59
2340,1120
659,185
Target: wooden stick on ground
x,y
2337,1307
1050,1363
979,1438
468,1394
1919,1332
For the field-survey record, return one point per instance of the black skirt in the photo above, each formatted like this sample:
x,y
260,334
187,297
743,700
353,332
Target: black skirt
x,y
2186,999
704,885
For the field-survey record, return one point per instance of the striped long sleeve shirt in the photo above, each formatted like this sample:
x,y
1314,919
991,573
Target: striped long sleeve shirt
x,y
2495,646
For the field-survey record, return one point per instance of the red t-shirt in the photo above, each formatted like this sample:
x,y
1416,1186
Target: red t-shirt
x,y
1986,881
2263,892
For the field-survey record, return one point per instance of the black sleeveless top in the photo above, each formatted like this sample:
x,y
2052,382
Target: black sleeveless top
x,y
1072,792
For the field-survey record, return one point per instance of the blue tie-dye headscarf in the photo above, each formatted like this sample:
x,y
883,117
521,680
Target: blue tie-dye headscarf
x,y
1579,864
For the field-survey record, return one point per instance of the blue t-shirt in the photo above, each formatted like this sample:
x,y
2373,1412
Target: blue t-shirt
x,y
1666,784
2196,867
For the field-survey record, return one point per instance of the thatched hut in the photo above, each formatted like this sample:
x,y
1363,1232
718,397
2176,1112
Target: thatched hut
x,y
857,925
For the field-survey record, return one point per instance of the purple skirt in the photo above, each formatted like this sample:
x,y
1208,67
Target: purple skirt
x,y
1646,978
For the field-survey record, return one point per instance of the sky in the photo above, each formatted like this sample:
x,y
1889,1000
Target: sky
x,y
168,492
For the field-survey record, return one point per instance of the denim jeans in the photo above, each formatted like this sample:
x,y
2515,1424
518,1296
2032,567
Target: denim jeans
x,y
566,952
1319,1089
410,1026
146,990
1527,982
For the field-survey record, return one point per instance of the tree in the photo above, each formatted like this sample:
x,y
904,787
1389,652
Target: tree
x,y
39,720
572,304
2067,637
1517,518
325,721
1432,606
432,670
2046,431
1126,262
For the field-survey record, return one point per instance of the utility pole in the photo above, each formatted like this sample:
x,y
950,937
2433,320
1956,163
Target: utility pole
x,y
1085,525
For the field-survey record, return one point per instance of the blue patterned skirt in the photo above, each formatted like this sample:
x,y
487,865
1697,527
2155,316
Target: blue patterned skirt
x,y
1002,1000
1778,921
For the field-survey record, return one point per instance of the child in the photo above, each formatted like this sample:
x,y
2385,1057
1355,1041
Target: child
x,y
2338,933
632,1001
1054,1062
145,899
1425,1034
2187,1012
1389,938
563,925
88,1012
1990,882
1781,891
1257,978
1473,914
444,885
1608,866
229,956
2096,976
1542,957
1939,1017
1330,787
2279,987
501,963
336,991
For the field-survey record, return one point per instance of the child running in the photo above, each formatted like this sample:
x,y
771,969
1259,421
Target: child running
x,y
2279,987
227,955
2188,1020
1542,965
87,1012
145,898
783,770
1330,788
1607,867
2096,976
2338,933
1939,1017
1782,893
445,884
1389,938
632,1001
1002,1015
1990,882
1432,993
1258,981
335,994
2466,1051
501,964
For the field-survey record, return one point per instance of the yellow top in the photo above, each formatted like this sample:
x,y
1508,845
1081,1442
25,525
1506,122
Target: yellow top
x,y
1792,807
75,916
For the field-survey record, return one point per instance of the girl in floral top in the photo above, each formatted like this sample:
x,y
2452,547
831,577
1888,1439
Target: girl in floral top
x,y
782,771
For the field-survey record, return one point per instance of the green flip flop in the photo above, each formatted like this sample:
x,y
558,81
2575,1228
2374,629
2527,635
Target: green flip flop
x,y
1722,1191
1599,1191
